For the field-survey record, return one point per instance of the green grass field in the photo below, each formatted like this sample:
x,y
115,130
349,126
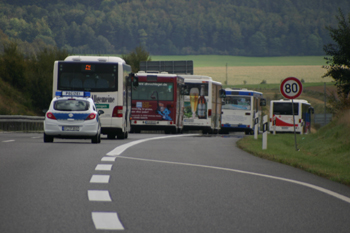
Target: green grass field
x,y
325,153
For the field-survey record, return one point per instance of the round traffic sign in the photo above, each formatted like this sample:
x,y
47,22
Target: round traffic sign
x,y
291,88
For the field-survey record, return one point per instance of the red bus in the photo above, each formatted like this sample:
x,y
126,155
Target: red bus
x,y
157,103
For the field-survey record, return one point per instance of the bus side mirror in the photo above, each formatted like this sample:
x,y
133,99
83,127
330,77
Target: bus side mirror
x,y
262,102
311,110
222,93
134,80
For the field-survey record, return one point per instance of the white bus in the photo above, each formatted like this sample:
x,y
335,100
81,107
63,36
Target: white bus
x,y
241,109
107,78
281,116
202,110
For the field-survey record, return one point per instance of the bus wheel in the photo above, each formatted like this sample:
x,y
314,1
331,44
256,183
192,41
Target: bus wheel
x,y
121,135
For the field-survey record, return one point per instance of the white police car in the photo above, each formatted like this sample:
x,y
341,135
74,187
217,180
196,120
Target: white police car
x,y
72,114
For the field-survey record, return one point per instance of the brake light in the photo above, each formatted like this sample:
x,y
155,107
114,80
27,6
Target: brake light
x,y
50,116
91,116
118,111
209,112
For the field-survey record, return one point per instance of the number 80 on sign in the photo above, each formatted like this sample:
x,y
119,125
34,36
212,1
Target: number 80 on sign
x,y
291,88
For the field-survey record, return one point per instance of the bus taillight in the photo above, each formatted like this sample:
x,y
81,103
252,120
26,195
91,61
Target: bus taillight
x,y
209,112
118,111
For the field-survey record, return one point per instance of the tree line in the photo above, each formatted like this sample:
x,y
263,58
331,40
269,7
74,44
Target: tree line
x,y
179,27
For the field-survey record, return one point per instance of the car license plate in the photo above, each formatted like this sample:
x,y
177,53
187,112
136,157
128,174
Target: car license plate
x,y
70,128
150,122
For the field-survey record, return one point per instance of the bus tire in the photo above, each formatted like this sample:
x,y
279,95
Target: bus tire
x,y
121,135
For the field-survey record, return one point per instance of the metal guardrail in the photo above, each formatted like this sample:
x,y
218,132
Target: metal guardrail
x,y
21,123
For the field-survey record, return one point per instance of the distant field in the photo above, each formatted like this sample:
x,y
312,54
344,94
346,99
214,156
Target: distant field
x,y
253,70
221,61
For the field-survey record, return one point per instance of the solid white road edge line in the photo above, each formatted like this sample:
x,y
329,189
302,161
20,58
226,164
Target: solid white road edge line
x,y
120,149
106,221
320,189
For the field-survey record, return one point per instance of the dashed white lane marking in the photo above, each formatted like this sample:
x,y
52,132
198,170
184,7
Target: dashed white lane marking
x,y
9,141
108,159
320,189
99,195
120,149
103,167
99,179
106,221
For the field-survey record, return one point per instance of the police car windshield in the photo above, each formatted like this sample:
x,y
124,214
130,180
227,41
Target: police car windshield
x,y
71,105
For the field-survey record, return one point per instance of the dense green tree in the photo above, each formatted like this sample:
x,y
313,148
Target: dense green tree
x,y
135,57
39,76
13,66
338,62
177,27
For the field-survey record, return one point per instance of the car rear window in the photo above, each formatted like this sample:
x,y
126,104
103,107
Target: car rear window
x,y
71,105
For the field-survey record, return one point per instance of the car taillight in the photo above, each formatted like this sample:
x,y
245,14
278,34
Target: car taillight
x,y
50,116
91,116
118,111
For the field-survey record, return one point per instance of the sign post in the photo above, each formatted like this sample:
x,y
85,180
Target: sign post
x,y
291,88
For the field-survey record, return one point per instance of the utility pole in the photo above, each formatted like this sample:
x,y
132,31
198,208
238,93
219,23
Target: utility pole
x,y
226,75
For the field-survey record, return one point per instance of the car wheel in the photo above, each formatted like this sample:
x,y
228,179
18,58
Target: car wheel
x,y
48,138
95,138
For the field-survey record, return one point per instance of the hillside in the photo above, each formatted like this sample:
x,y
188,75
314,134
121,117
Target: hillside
x,y
181,27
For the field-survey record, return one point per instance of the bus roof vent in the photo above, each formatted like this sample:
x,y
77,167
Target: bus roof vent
x,y
76,58
102,59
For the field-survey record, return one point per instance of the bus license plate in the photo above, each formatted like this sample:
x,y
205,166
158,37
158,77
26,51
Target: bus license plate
x,y
150,122
70,128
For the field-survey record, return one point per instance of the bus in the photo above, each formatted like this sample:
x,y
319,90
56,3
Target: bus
x,y
107,78
202,110
281,116
241,110
157,103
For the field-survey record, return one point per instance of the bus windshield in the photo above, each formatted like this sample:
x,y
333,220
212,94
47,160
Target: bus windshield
x,y
285,109
237,103
153,91
87,76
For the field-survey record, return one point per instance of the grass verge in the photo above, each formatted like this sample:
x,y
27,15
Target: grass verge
x,y
325,153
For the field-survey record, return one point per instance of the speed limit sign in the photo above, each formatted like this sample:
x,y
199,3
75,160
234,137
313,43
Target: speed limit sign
x,y
291,88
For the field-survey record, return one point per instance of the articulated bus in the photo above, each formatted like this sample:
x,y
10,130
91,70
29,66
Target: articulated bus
x,y
202,104
107,80
281,116
157,103
240,109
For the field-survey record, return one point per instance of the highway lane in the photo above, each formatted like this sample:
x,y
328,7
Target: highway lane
x,y
180,184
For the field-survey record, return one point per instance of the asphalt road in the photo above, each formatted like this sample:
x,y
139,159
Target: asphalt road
x,y
159,183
